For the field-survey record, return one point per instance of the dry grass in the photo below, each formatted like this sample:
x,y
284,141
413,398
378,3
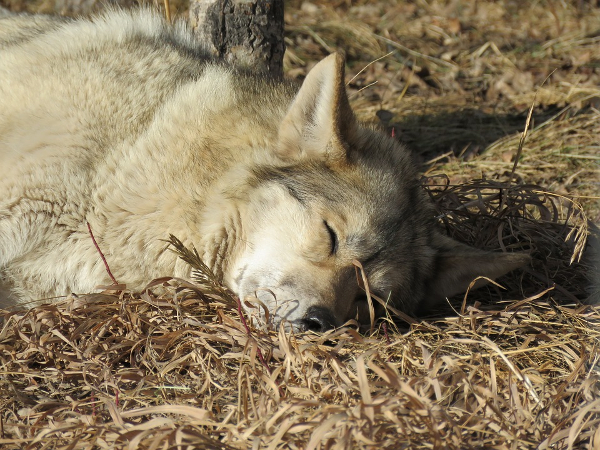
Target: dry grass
x,y
462,76
181,371
513,368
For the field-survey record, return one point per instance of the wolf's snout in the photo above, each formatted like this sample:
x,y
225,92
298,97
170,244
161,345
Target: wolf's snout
x,y
317,319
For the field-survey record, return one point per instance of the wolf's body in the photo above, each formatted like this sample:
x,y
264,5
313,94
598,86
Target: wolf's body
x,y
123,123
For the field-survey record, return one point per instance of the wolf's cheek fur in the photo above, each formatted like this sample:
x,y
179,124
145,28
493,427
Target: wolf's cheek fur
x,y
285,261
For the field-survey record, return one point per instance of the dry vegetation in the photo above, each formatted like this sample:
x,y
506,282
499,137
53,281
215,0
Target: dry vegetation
x,y
514,368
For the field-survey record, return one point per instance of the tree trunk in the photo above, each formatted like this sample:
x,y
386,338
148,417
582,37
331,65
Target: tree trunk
x,y
244,32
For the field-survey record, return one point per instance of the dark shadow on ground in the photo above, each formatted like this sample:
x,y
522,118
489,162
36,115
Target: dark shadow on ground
x,y
465,133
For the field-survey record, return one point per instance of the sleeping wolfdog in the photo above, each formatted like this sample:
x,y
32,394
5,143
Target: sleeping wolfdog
x,y
122,122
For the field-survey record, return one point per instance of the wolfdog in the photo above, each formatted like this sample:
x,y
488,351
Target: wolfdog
x,y
123,122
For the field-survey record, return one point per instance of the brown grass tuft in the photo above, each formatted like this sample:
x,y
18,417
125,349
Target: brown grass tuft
x,y
180,371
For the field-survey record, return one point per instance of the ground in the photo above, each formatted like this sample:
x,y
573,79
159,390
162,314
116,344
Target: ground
x,y
458,82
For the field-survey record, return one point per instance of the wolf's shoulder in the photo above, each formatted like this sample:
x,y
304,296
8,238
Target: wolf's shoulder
x,y
142,24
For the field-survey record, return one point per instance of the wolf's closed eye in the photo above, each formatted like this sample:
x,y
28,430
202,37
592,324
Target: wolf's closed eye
x,y
332,237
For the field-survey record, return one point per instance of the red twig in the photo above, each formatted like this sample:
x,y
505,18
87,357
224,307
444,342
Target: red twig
x,y
385,333
114,280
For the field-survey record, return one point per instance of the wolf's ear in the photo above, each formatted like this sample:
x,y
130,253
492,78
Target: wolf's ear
x,y
319,119
457,265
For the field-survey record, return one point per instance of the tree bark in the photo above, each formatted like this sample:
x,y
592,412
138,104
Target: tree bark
x,y
243,32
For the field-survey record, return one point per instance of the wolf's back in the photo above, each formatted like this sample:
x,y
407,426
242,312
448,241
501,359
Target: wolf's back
x,y
114,66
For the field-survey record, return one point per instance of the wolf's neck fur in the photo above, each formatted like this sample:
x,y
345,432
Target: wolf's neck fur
x,y
203,176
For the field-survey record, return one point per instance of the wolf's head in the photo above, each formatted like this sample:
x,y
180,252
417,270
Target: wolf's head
x,y
342,192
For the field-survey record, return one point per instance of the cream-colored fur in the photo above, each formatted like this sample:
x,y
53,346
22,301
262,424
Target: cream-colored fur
x,y
123,123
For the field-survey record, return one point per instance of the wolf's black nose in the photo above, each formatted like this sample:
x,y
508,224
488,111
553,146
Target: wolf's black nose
x,y
317,319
